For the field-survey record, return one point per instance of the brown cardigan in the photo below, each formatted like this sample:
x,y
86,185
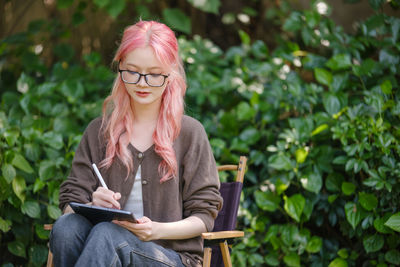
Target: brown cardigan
x,y
194,193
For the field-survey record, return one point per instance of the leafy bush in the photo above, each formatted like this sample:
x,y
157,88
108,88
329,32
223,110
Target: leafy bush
x,y
318,118
43,115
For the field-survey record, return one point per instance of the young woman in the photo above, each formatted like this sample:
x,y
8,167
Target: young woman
x,y
155,161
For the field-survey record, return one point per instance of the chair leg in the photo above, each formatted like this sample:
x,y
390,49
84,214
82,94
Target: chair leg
x,y
50,260
207,257
225,254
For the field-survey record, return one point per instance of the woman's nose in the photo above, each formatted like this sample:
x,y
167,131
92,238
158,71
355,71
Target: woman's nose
x,y
142,82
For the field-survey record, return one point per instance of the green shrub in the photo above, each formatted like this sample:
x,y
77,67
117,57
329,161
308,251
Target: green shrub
x,y
319,119
43,116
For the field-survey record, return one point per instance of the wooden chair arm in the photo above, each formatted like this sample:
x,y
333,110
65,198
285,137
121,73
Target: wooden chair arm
x,y
48,227
227,168
222,235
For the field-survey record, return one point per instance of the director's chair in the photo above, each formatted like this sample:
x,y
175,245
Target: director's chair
x,y
217,242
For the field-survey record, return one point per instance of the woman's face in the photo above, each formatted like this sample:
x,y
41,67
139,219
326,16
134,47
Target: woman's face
x,y
144,61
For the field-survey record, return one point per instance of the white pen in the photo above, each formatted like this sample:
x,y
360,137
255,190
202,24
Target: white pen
x,y
99,176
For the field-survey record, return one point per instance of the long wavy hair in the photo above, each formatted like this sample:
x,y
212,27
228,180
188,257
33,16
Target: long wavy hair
x,y
117,125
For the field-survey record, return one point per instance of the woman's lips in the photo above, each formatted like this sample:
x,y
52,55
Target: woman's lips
x,y
142,94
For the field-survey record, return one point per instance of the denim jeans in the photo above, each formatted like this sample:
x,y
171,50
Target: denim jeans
x,y
74,241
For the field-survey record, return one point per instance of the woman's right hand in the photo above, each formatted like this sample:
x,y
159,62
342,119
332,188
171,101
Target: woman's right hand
x,y
103,197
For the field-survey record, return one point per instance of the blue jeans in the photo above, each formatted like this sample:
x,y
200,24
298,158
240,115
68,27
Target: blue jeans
x,y
74,241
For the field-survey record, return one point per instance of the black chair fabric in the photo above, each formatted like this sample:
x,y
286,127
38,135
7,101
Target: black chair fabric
x,y
226,219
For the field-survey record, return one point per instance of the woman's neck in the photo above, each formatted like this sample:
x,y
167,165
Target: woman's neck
x,y
145,123
145,114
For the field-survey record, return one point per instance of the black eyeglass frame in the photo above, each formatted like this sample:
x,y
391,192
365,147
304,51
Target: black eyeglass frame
x,y
140,77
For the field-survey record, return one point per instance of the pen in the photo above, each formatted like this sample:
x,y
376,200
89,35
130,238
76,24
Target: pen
x,y
99,176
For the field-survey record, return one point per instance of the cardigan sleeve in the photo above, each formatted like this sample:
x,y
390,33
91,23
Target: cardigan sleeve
x,y
81,181
200,191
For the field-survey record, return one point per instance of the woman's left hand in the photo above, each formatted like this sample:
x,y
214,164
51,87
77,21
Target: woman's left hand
x,y
144,229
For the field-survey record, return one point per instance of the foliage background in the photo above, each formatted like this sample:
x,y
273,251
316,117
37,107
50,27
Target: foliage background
x,y
315,107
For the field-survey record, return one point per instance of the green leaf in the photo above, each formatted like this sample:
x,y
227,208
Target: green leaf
x,y
376,4
365,68
314,245
348,188
339,81
301,155
38,254
386,87
31,208
255,259
244,37
320,129
78,18
332,198
176,19
343,253
323,76
101,3
47,170
334,182
308,209
339,62
19,185
394,222
368,201
294,206
281,186
293,22
61,4
5,225
9,172
289,234
245,112
115,7
53,211
338,262
210,6
41,232
53,139
393,256
272,259
331,103
17,248
395,28
353,214
389,57
39,184
340,160
350,164
11,137
21,163
373,243
267,200
292,259
250,136
379,224
312,182
32,151
280,162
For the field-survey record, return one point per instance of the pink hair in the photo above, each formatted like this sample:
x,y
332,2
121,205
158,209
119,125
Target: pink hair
x,y
117,125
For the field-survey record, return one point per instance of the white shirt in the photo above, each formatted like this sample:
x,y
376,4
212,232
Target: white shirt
x,y
134,203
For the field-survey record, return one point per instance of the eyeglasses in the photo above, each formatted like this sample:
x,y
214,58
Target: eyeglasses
x,y
133,77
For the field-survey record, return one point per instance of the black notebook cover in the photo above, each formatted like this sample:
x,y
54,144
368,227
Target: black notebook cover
x,y
99,214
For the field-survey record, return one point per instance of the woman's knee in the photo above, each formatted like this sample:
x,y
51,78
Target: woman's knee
x,y
70,227
108,230
111,233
